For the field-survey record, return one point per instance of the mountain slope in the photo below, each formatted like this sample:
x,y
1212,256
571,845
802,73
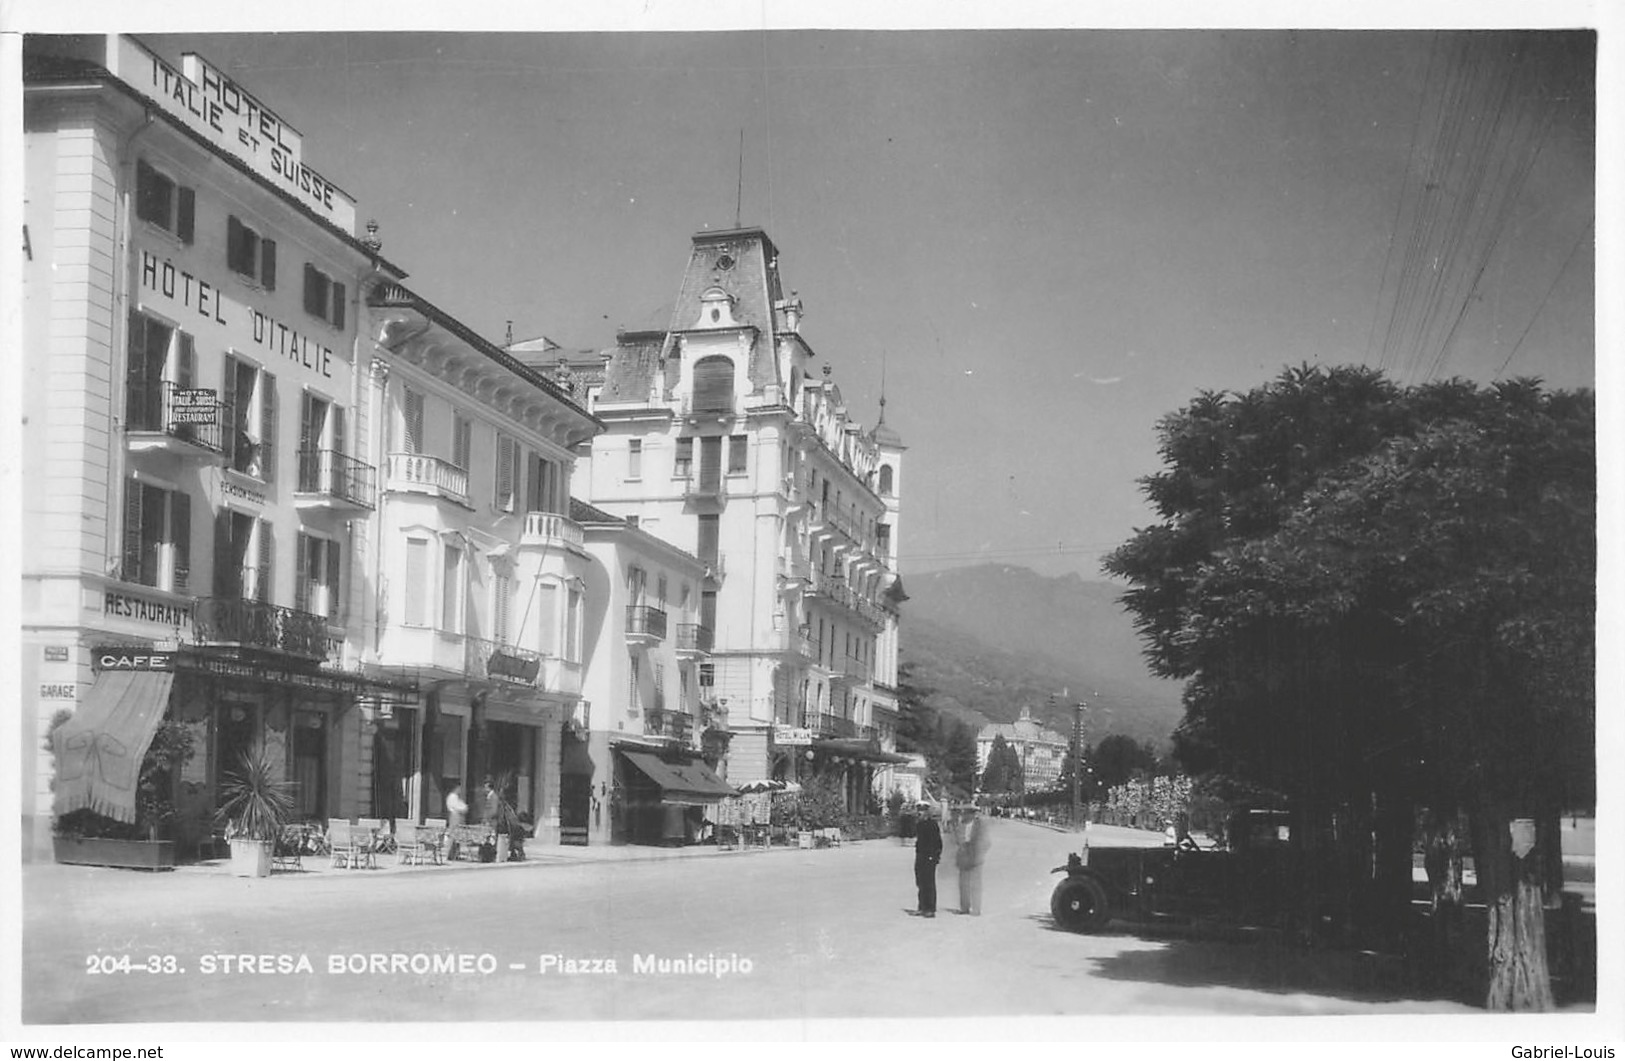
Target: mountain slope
x,y
990,639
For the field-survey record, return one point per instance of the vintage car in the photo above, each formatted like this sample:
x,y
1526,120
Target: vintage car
x,y
1252,880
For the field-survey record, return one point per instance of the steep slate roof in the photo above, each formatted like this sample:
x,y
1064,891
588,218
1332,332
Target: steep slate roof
x,y
581,512
631,373
752,281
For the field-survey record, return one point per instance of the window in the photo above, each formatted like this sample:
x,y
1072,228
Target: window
x,y
660,686
714,384
417,582
632,684
157,536
708,675
547,618
883,539
412,420
161,359
572,627
885,480
249,431
660,592
507,463
451,591
501,605
542,485
321,436
736,454
324,296
683,466
635,582
317,590
250,254
634,459
633,521
462,435
242,556
706,549
162,202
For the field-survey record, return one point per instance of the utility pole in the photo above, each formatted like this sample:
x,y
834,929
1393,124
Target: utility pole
x,y
1077,761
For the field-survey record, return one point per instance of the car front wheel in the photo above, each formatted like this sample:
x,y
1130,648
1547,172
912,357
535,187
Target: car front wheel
x,y
1080,905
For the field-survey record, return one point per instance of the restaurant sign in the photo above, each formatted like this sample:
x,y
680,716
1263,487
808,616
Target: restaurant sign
x,y
195,406
513,668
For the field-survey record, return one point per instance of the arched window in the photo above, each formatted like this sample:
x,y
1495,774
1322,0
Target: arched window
x,y
885,480
714,384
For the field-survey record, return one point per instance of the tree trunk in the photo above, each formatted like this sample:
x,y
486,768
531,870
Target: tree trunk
x,y
1391,888
1442,855
1518,979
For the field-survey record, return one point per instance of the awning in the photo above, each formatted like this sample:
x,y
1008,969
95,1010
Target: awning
x,y
866,750
99,750
681,782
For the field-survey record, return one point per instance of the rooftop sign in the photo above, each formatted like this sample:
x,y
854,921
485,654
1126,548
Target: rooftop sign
x,y
235,121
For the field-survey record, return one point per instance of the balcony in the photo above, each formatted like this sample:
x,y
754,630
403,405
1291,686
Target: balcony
x,y
828,725
419,473
693,641
330,480
802,644
229,621
495,661
548,529
645,626
676,725
850,671
716,568
705,494
163,417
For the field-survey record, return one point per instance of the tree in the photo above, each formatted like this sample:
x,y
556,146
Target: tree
x,y
1119,759
917,727
956,768
1002,775
1383,598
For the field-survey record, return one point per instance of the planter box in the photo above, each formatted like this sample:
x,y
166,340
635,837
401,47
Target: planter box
x,y
122,854
250,858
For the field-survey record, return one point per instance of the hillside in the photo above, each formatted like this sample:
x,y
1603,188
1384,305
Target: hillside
x,y
989,639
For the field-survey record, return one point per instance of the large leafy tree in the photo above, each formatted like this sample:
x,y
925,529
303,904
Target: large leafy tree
x,y
1383,598
1002,775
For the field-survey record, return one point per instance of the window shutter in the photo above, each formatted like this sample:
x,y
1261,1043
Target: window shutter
x,y
315,292
417,572
185,361
268,264
332,558
228,410
714,384
262,590
146,179
533,484
414,422
338,304
305,574
234,242
736,453
267,426
226,571
186,216
132,531
180,537
335,416
504,483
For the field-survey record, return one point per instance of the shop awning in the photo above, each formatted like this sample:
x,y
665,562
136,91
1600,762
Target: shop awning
x,y
99,750
866,750
681,782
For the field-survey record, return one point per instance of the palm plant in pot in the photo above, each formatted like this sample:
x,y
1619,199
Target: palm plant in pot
x,y
255,805
503,816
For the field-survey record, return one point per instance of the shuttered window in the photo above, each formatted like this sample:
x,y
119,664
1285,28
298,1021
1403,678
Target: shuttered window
x,y
451,591
157,537
634,458
250,254
162,202
317,588
412,421
682,466
507,461
462,437
501,604
417,582
250,427
714,384
324,296
737,447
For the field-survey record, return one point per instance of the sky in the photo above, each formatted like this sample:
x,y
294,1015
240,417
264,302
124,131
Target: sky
x,y
1038,242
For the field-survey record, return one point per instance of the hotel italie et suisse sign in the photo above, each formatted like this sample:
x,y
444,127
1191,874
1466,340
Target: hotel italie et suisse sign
x,y
226,115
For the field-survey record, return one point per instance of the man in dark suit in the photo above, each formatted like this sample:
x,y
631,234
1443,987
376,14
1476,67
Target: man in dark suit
x,y
927,853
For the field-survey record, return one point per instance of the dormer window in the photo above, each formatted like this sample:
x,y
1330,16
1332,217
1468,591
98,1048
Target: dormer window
x,y
716,309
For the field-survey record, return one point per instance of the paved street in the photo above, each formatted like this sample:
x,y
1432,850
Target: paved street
x,y
825,933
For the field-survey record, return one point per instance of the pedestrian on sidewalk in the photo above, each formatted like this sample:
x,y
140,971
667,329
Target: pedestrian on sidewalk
x,y
456,815
927,853
973,844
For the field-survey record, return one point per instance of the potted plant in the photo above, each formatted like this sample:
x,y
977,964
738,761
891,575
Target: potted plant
x,y
502,816
255,806
85,837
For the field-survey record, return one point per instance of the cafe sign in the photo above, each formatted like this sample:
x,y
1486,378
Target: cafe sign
x,y
125,658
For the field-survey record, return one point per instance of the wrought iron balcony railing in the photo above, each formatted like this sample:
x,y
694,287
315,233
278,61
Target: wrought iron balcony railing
x,y
256,624
645,622
692,637
835,726
336,476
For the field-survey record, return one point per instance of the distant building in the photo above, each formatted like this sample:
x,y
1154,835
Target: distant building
x,y
1041,750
